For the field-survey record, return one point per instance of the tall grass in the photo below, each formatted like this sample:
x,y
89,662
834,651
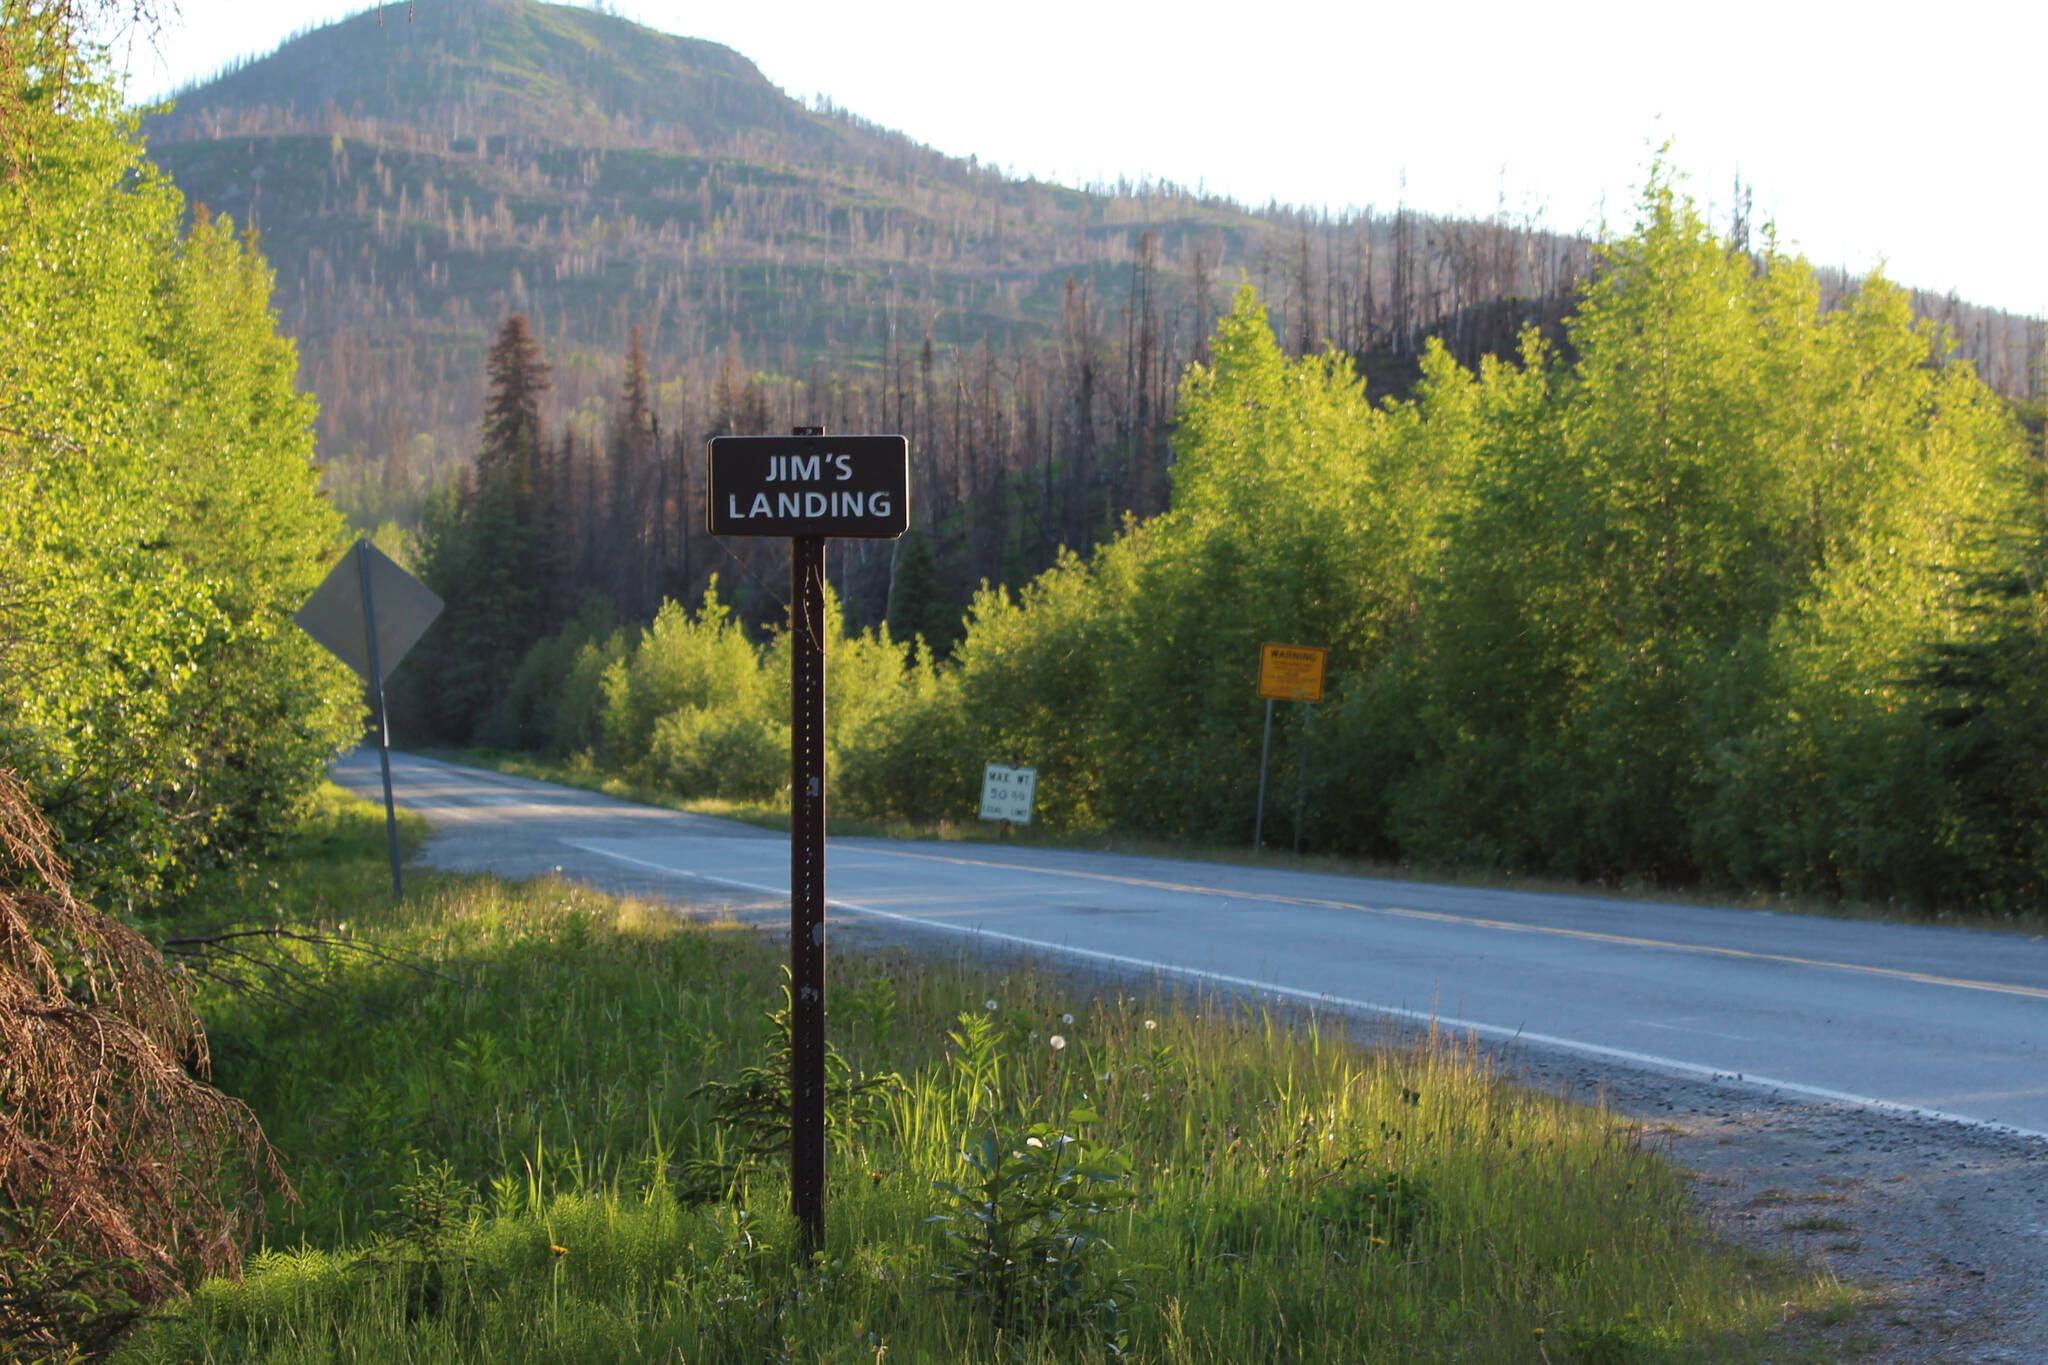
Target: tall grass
x,y
500,1151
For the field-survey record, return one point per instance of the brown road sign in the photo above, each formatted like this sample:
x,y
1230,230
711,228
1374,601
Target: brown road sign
x,y
810,487
1291,672
855,486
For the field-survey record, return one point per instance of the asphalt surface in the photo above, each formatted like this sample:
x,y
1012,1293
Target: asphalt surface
x,y
1947,1024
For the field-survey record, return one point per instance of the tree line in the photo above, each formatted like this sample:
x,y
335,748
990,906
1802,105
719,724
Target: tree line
x,y
1728,582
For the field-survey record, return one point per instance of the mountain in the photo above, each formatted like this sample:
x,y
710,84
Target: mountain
x,y
415,182
491,67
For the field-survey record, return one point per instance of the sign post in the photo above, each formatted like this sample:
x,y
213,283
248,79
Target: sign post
x,y
1286,673
809,487
369,613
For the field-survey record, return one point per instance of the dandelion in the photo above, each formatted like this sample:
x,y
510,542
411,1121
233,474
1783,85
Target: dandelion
x,y
558,1250
1058,1043
989,1005
1539,1331
1066,1018
1151,1024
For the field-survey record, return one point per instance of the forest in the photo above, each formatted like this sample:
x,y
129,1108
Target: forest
x,y
1724,584
416,184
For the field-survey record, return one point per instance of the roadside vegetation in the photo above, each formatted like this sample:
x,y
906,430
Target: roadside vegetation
x,y
1730,590
541,1124
161,719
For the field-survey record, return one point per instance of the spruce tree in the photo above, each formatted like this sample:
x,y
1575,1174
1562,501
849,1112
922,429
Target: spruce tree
x,y
918,605
483,552
509,453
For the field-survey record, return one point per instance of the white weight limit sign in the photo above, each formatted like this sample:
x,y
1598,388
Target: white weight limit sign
x,y
1006,793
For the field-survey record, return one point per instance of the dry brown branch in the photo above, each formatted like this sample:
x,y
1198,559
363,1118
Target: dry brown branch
x,y
114,1153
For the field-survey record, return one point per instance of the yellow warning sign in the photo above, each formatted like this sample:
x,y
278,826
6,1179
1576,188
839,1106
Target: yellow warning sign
x,y
1291,672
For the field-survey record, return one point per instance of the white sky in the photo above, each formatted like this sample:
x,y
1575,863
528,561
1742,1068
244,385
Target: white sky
x,y
1869,130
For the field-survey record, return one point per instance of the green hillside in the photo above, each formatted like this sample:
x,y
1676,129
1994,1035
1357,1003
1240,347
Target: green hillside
x,y
412,183
497,67
415,182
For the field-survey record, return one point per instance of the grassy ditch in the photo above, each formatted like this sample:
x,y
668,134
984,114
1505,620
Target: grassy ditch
x,y
539,1124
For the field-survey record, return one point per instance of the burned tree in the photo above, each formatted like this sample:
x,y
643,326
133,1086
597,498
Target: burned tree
x,y
124,1177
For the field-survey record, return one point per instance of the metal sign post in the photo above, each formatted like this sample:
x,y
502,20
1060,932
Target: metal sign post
x,y
807,884
1308,715
1265,751
1286,673
383,720
809,487
369,613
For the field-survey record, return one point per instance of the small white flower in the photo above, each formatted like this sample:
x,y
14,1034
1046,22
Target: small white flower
x,y
1146,1096
1057,1042
1151,1024
1033,1142
1066,1018
1106,1077
989,1005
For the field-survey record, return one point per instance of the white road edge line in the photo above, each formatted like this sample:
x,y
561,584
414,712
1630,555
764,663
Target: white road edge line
x,y
1646,1060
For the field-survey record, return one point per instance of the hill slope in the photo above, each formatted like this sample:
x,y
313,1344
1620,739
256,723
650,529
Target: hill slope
x,y
415,182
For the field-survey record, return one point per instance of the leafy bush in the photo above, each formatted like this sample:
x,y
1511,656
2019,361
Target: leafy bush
x,y
160,517
706,751
683,662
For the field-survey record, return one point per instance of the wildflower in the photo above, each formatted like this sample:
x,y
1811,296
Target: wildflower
x,y
1066,1018
1539,1331
989,1005
558,1250
1151,1024
1033,1142
1057,1042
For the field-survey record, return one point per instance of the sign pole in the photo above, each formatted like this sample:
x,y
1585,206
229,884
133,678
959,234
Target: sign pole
x,y
1265,750
1301,791
807,887
383,721
807,487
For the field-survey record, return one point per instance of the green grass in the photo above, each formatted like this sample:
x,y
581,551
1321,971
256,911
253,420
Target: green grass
x,y
503,1150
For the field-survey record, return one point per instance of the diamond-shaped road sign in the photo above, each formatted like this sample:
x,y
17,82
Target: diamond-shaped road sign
x,y
369,612
404,606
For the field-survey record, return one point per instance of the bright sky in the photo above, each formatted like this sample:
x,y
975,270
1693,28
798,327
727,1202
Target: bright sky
x,y
1869,130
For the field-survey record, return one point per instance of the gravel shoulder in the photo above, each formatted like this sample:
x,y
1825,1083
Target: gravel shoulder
x,y
1946,1225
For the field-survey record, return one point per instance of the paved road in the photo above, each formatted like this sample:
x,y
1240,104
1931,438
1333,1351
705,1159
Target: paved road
x,y
1946,1022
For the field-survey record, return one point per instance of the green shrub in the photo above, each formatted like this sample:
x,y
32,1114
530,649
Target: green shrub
x,y
705,751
